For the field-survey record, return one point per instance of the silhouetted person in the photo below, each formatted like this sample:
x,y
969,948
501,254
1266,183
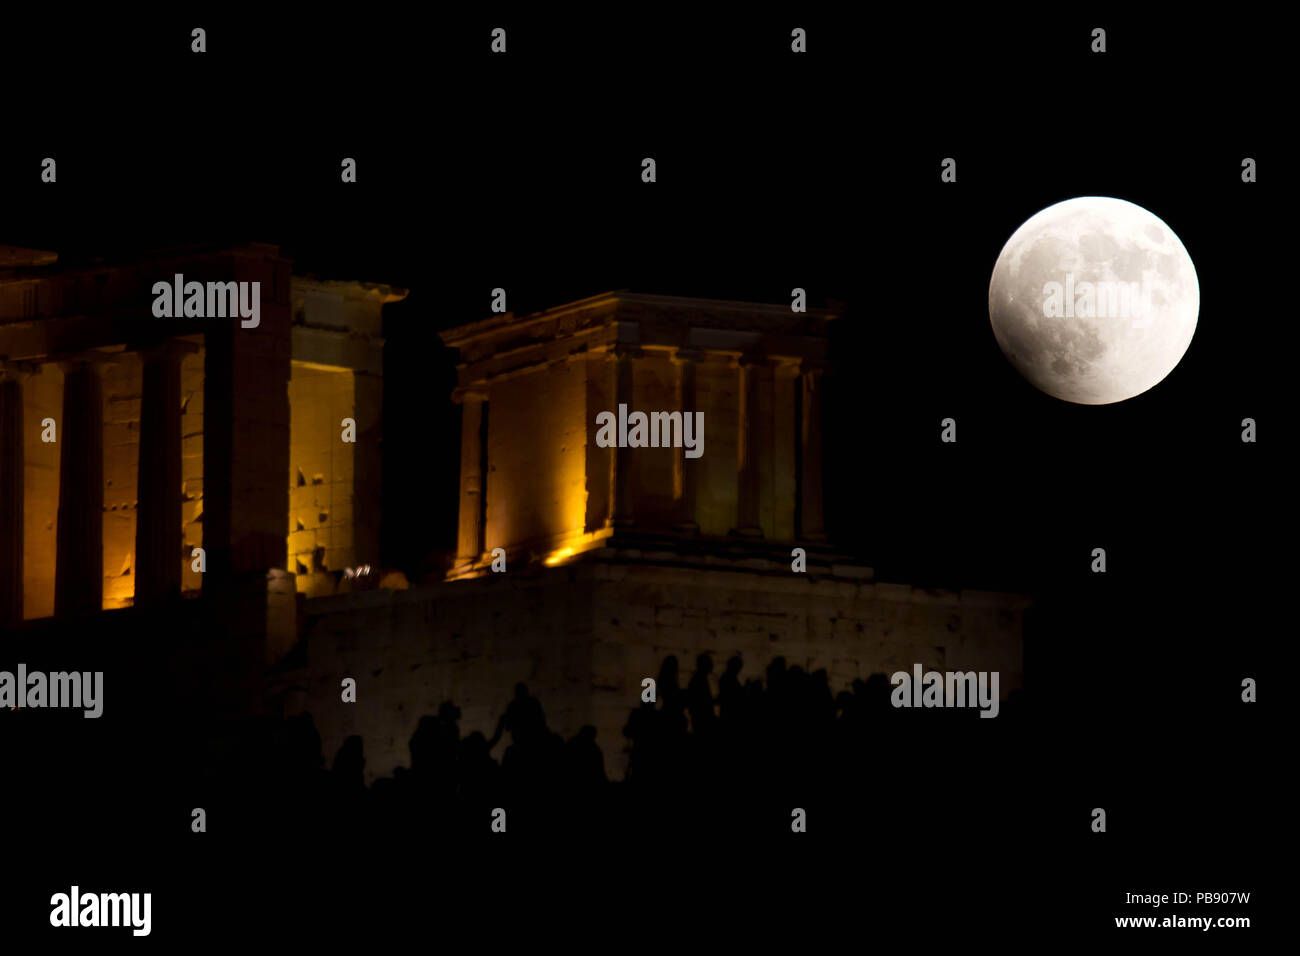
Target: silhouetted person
x,y
667,684
875,694
478,773
730,693
586,764
790,739
642,732
530,762
699,696
434,749
776,676
349,765
524,718
672,708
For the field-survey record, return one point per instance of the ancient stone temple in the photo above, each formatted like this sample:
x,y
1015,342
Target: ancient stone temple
x,y
147,458
640,476
534,480
581,564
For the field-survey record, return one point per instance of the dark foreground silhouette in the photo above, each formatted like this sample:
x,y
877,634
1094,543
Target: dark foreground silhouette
x,y
741,761
915,818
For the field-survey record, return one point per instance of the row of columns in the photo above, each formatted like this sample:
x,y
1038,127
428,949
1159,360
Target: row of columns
x,y
809,512
808,506
79,432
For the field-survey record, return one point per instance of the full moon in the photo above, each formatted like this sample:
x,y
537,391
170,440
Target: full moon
x,y
1094,300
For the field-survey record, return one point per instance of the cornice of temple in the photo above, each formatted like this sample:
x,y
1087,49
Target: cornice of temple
x,y
625,305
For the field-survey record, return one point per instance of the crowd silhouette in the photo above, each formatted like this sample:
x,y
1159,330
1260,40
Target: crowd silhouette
x,y
738,759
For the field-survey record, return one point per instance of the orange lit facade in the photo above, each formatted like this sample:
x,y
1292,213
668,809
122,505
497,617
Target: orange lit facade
x,y
115,469
537,485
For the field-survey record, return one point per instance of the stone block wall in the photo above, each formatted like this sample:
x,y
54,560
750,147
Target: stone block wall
x,y
583,636
468,642
321,475
537,454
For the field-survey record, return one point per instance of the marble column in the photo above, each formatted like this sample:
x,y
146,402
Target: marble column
x,y
624,393
686,471
748,450
11,494
78,574
473,420
812,524
158,555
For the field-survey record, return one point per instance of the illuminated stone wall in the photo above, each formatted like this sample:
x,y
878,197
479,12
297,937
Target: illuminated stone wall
x,y
747,367
536,480
42,399
335,487
321,476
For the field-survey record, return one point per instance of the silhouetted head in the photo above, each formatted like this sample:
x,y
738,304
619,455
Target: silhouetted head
x,y
776,669
668,672
704,663
350,760
474,745
449,712
877,691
